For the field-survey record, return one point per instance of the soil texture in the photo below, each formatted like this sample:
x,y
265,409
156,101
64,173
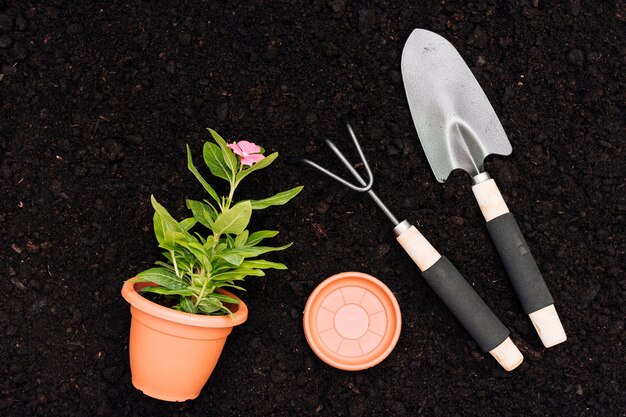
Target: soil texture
x,y
99,98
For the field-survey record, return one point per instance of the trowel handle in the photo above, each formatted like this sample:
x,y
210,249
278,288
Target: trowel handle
x,y
529,285
466,305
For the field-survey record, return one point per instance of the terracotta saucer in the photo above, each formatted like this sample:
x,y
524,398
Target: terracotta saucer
x,y
352,321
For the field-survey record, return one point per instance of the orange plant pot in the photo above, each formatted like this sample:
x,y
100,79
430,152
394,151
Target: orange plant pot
x,y
172,354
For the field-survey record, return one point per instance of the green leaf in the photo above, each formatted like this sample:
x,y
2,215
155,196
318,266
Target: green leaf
x,y
232,258
241,239
262,264
183,259
163,277
209,305
187,306
159,231
229,157
233,220
208,244
259,165
163,264
253,251
188,223
256,237
171,239
276,200
201,238
167,291
225,298
190,244
237,274
203,213
194,247
214,159
168,222
199,177
230,285
198,282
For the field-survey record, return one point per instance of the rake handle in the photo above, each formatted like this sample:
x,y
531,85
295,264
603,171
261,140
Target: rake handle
x,y
529,284
466,305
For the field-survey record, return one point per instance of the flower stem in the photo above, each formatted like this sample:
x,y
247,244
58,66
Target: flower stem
x,y
201,295
230,196
174,262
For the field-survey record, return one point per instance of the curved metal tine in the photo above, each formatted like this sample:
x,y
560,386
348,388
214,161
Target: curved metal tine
x,y
363,159
366,185
336,177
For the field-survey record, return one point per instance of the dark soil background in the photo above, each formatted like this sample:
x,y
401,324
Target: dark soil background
x,y
97,102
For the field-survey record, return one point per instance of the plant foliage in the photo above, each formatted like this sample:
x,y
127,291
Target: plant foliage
x,y
198,264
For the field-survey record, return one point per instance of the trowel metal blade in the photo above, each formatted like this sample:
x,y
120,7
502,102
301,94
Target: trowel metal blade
x,y
455,122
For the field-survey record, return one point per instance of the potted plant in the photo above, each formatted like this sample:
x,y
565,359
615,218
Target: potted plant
x,y
177,337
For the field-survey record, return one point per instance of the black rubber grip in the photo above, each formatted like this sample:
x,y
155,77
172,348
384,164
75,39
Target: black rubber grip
x,y
466,305
529,285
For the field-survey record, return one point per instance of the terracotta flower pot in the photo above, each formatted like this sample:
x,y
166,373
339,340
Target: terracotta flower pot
x,y
172,354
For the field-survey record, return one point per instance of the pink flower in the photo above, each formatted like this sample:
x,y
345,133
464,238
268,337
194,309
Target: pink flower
x,y
248,151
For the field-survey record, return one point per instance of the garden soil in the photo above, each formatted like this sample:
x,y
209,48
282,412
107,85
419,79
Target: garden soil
x,y
99,98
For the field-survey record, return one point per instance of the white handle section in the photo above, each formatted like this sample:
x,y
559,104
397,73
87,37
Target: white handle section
x,y
489,199
548,326
507,355
418,248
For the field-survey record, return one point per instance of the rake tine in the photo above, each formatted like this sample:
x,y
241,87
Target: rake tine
x,y
336,177
366,185
358,148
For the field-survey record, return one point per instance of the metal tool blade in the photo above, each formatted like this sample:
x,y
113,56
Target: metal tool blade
x,y
455,122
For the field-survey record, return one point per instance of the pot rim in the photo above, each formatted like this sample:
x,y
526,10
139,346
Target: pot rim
x,y
132,296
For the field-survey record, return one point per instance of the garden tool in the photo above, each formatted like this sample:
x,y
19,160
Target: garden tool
x,y
458,128
445,280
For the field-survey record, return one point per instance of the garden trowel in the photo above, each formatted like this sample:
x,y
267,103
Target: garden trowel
x,y
458,128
